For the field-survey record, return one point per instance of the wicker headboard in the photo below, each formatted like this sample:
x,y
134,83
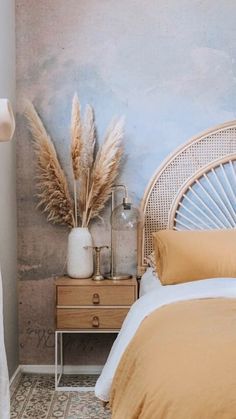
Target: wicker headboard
x,y
186,165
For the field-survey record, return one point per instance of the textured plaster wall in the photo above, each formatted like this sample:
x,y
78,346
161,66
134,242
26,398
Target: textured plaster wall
x,y
8,229
168,66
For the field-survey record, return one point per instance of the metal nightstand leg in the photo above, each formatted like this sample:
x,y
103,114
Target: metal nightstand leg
x,y
61,353
58,375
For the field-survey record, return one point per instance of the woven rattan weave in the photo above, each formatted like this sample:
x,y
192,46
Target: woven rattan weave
x,y
182,168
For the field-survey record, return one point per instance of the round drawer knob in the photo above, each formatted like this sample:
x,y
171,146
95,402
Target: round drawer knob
x,y
96,299
95,321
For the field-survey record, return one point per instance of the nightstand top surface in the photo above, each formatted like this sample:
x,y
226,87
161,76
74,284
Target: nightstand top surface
x,y
66,280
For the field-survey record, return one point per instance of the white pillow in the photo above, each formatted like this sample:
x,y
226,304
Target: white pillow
x,y
149,282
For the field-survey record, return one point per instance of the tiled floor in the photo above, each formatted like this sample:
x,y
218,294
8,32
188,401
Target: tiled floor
x,y
33,397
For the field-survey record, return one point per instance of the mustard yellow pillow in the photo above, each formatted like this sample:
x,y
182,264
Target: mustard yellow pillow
x,y
183,256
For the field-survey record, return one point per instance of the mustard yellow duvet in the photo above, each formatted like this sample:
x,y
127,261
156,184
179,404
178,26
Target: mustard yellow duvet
x,y
180,364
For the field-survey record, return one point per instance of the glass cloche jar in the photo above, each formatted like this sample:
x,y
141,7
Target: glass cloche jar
x,y
125,219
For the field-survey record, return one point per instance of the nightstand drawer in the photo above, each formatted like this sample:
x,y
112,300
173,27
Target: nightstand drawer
x,y
95,295
90,318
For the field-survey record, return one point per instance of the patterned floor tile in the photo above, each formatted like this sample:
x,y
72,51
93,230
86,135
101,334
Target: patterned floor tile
x,y
33,397
78,380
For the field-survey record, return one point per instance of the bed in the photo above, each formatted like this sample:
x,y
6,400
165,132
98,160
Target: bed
x,y
175,354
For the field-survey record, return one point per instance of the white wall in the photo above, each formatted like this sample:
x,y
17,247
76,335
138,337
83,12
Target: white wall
x,y
7,187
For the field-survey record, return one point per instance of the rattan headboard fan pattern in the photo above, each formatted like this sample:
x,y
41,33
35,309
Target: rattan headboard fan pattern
x,y
194,188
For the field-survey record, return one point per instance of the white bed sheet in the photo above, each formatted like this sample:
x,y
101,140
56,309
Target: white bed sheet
x,y
149,282
208,288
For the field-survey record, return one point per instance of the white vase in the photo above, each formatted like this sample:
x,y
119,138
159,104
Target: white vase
x,y
80,258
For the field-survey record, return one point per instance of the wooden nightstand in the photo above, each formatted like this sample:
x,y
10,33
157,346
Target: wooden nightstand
x,y
87,306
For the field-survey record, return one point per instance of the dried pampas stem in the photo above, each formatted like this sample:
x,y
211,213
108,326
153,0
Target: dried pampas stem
x,y
89,135
76,138
51,181
105,170
76,147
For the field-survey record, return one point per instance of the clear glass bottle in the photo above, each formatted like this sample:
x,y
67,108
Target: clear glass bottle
x,y
124,223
